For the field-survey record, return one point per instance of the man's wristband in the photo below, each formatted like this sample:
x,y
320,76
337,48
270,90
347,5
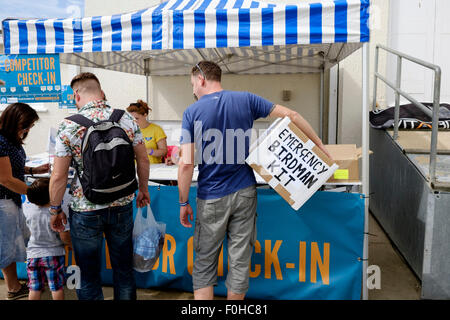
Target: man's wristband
x,y
151,152
184,204
55,210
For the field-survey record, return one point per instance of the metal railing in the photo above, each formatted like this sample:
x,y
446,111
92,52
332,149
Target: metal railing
x,y
434,114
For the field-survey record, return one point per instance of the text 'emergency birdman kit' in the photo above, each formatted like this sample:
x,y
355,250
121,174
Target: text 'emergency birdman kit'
x,y
290,162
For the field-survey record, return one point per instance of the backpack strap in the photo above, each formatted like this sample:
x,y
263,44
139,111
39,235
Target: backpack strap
x,y
116,115
85,122
81,120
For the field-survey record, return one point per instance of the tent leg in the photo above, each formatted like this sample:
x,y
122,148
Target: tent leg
x,y
365,161
146,89
321,104
147,74
333,101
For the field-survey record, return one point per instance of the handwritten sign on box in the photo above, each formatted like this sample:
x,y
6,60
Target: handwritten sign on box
x,y
290,162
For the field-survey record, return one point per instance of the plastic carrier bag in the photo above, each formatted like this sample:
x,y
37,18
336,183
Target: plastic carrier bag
x,y
148,240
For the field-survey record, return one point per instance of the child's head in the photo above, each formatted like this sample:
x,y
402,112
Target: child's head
x,y
38,193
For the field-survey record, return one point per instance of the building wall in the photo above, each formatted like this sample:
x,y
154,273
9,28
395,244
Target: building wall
x,y
110,7
120,88
421,29
304,93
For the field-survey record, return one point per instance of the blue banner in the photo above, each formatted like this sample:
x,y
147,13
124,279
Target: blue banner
x,y
30,78
67,98
313,253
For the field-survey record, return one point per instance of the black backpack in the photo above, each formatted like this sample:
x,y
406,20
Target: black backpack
x,y
108,159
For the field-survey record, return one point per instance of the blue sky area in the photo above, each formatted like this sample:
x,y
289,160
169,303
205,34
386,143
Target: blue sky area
x,y
41,9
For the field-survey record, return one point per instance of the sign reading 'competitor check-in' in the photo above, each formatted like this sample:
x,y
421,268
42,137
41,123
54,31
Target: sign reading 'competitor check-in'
x,y
30,78
290,162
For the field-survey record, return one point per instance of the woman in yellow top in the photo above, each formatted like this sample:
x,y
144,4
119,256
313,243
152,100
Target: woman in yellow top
x,y
154,137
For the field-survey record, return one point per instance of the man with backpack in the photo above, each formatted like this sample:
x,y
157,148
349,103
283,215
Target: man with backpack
x,y
103,145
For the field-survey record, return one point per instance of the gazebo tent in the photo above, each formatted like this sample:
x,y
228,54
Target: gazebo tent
x,y
243,36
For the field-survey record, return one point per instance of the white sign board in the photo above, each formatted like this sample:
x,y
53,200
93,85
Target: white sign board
x,y
290,162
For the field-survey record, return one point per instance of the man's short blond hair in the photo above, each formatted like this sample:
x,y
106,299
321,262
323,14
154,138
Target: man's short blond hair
x,y
86,81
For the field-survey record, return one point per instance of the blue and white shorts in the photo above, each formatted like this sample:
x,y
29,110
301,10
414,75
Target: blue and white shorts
x,y
46,269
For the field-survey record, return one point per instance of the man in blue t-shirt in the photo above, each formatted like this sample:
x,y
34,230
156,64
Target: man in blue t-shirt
x,y
218,126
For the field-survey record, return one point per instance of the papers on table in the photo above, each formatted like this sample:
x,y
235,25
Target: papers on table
x,y
162,172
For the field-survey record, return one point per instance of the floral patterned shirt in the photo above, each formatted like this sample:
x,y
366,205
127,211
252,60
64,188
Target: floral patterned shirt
x,y
68,143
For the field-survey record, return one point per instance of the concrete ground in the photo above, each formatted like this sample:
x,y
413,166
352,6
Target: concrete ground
x,y
398,282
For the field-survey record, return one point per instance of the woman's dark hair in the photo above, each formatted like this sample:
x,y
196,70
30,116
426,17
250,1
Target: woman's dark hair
x,y
16,117
38,192
139,107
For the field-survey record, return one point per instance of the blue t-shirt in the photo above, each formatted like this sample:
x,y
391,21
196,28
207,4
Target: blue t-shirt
x,y
17,159
220,125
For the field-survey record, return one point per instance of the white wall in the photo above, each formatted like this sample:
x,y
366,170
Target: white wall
x,y
412,31
120,88
442,46
110,7
169,96
422,30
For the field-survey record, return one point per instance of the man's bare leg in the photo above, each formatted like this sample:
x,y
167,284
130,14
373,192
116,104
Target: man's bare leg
x,y
206,293
235,296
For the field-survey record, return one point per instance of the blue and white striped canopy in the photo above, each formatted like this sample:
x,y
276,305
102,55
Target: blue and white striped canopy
x,y
248,34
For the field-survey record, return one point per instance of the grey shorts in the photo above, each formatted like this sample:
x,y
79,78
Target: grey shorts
x,y
235,216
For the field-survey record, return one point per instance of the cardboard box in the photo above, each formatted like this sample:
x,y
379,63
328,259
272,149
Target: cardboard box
x,y
347,157
290,162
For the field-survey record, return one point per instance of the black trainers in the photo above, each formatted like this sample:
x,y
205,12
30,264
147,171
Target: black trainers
x,y
23,292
